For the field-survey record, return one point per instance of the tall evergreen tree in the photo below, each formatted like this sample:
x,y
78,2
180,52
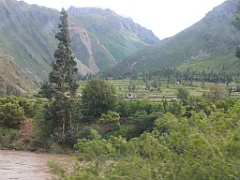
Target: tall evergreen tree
x,y
236,23
62,85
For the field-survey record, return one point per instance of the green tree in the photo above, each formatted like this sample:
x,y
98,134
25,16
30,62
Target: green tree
x,y
236,23
98,97
217,93
182,93
237,51
155,84
62,85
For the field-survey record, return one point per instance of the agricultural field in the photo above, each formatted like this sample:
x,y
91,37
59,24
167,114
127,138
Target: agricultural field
x,y
168,90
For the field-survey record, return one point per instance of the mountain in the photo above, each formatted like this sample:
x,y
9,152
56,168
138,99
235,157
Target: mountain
x,y
13,80
209,43
100,37
112,37
108,22
27,34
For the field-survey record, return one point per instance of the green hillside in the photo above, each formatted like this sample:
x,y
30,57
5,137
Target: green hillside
x,y
13,80
207,43
27,33
228,63
119,36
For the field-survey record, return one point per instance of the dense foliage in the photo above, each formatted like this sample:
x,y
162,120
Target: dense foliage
x,y
14,109
98,97
16,117
199,146
195,137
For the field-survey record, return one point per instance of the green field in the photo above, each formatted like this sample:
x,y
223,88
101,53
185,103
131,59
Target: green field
x,y
167,90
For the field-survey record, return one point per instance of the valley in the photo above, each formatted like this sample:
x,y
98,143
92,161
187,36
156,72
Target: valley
x,y
88,94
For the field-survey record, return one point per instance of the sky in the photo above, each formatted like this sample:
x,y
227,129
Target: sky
x,y
164,17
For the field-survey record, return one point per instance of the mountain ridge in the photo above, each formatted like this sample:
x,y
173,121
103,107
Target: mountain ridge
x,y
27,33
211,37
117,23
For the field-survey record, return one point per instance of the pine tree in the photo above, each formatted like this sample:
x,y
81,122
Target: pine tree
x,y
62,85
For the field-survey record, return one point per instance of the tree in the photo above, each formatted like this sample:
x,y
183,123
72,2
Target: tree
x,y
98,97
217,93
62,85
155,84
236,23
182,93
237,52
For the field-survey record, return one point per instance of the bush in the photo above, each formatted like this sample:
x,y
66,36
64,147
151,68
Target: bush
x,y
13,109
11,114
98,97
8,137
111,116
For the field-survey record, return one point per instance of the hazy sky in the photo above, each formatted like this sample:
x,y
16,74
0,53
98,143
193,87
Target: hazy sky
x,y
164,17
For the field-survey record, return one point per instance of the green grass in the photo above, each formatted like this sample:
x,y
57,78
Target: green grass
x,y
228,64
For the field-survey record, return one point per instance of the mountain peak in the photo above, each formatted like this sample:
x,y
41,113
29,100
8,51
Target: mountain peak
x,y
113,23
226,8
89,10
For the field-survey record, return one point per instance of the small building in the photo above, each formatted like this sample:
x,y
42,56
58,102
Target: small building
x,y
130,95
